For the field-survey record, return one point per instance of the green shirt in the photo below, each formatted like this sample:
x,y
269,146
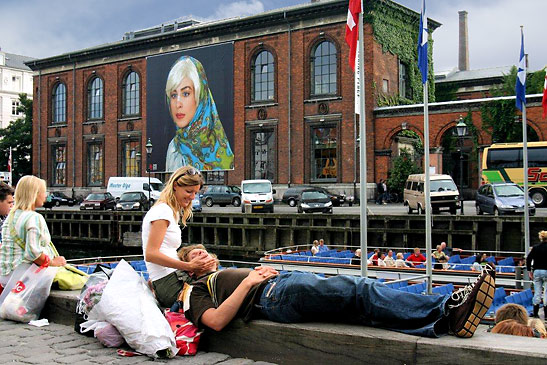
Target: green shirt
x,y
31,227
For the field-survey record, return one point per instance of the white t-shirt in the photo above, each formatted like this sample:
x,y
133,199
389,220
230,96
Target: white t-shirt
x,y
171,242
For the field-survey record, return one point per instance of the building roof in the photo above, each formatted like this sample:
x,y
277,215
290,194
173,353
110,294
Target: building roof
x,y
175,30
17,61
456,75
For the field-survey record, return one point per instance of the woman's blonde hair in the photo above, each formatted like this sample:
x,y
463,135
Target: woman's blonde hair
x,y
184,67
26,192
542,236
537,324
183,176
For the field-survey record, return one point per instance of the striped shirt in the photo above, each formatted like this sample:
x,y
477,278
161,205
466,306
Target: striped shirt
x,y
31,227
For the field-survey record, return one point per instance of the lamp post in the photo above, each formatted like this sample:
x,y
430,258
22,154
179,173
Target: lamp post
x,y
461,130
148,154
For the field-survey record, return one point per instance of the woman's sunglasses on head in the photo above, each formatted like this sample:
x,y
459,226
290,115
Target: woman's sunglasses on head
x,y
191,172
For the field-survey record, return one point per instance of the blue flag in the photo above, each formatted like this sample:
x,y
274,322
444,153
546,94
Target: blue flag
x,y
422,44
520,88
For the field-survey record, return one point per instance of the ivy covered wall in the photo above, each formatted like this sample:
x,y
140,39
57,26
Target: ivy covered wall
x,y
396,30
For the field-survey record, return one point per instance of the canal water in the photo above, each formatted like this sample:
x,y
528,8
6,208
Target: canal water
x,y
70,251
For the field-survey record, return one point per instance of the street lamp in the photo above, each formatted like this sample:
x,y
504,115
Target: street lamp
x,y
461,130
148,154
138,157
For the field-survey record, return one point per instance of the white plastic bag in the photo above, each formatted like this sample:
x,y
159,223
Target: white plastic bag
x,y
26,294
106,333
129,305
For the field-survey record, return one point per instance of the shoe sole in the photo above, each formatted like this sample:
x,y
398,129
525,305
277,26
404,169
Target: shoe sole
x,y
483,301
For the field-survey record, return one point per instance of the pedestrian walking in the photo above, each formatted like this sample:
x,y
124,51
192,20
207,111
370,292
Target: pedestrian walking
x,y
536,264
380,191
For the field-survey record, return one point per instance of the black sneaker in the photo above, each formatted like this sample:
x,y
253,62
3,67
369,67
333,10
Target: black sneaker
x,y
468,306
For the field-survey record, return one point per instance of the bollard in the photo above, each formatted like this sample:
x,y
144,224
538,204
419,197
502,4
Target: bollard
x,y
248,208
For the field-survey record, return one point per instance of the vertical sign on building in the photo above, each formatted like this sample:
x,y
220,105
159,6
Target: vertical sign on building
x,y
357,82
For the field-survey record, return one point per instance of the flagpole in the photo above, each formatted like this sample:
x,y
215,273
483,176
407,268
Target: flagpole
x,y
362,150
525,163
10,167
423,65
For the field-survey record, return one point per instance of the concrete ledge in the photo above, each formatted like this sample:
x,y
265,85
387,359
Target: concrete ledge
x,y
343,344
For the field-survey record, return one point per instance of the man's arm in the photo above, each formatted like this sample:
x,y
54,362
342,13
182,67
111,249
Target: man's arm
x,y
218,318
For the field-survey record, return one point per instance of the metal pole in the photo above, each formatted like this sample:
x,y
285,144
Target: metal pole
x,y
429,271
363,149
148,169
461,173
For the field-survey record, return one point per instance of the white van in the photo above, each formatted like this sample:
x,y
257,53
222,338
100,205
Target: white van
x,y
444,193
258,194
119,185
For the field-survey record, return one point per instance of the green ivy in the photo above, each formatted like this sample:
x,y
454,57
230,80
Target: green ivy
x,y
399,36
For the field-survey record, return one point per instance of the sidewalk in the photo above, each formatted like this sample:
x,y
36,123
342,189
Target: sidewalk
x,y
59,344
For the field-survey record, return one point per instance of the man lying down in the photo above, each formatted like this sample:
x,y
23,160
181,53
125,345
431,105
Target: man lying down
x,y
217,297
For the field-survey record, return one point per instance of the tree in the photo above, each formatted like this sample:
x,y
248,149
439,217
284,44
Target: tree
x,y
403,165
18,136
499,115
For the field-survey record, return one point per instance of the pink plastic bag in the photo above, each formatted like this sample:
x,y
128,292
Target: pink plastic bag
x,y
109,336
186,334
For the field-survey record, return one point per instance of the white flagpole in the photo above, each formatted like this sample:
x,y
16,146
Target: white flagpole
x,y
429,271
362,149
525,170
10,167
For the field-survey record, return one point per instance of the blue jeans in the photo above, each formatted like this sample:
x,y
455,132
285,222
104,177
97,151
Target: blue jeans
x,y
300,297
540,286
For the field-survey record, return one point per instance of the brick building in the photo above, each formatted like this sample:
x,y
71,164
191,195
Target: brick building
x,y
293,99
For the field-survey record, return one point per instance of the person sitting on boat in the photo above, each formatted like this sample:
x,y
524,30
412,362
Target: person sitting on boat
x,y
25,235
375,256
356,259
480,261
381,260
161,235
448,251
416,258
389,259
322,246
440,257
537,260
400,261
217,297
315,247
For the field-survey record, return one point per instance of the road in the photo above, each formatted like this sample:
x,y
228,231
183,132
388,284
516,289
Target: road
x,y
389,209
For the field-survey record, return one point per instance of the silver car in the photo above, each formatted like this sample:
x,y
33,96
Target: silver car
x,y
502,198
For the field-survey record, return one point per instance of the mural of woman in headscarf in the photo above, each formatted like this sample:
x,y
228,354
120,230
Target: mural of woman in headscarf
x,y
200,139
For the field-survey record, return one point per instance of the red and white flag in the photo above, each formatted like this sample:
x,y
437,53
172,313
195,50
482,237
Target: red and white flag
x,y
544,101
352,29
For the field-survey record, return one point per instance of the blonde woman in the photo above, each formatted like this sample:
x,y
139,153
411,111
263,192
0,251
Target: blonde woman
x,y
25,236
161,235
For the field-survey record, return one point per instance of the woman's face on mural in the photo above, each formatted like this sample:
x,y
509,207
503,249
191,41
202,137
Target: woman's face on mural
x,y
182,103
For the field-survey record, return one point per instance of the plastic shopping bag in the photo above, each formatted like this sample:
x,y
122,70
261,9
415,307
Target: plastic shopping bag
x,y
187,335
128,304
28,293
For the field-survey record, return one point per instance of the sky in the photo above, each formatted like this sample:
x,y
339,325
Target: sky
x,y
44,28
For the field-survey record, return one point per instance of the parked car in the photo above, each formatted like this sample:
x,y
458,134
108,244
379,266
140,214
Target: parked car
x,y
98,201
134,200
57,198
222,195
293,195
258,195
314,201
196,203
502,198
443,193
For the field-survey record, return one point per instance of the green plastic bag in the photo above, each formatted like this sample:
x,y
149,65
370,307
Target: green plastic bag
x,y
70,278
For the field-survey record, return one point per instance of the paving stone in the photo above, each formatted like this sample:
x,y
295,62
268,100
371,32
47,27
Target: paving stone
x,y
73,359
42,358
8,358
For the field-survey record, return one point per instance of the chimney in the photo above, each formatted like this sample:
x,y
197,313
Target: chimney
x,y
463,52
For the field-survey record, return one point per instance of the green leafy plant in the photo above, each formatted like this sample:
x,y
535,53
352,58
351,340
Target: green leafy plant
x,y
402,166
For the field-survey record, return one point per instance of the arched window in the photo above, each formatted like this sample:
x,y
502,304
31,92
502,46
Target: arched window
x,y
131,94
58,100
324,62
262,77
95,92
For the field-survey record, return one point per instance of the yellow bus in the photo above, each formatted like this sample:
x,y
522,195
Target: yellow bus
x,y
502,162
